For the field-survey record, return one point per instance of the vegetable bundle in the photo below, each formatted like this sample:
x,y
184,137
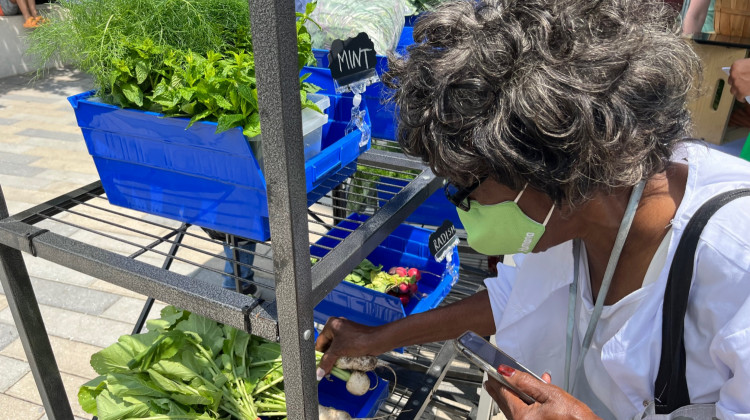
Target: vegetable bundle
x,y
188,58
398,281
186,366
190,367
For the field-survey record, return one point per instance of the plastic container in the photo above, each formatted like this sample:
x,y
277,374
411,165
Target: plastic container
x,y
312,125
312,129
156,165
407,246
432,211
333,393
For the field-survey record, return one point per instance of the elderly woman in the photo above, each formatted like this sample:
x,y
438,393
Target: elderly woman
x,y
559,127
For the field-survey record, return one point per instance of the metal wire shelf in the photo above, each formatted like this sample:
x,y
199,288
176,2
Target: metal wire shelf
x,y
173,262
85,216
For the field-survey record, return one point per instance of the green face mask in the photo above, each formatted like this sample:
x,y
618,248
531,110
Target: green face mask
x,y
501,229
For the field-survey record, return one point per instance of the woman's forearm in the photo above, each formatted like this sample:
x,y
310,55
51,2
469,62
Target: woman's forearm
x,y
695,16
444,323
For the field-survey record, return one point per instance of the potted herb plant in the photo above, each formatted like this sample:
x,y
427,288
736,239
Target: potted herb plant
x,y
191,60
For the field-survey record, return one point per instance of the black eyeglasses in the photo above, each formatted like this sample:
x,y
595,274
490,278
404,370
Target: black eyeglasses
x,y
460,196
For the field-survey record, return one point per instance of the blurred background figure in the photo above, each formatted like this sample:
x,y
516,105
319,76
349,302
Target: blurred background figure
x,y
697,16
26,7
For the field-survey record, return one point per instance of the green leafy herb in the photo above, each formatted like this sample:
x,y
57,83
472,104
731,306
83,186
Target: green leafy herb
x,y
181,58
188,367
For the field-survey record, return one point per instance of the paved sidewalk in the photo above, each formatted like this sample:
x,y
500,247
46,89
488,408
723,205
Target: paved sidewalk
x,y
43,155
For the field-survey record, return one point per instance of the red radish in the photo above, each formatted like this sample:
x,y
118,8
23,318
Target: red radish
x,y
413,272
404,299
403,288
413,288
401,271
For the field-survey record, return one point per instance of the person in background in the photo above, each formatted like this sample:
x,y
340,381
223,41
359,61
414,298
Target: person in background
x,y
27,9
698,16
245,258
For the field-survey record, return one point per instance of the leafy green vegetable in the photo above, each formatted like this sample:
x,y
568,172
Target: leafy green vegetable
x,y
372,276
181,58
188,367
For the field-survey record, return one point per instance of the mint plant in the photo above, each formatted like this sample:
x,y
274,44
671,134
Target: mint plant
x,y
191,58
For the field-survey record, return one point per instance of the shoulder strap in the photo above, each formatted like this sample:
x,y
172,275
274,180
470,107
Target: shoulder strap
x,y
671,391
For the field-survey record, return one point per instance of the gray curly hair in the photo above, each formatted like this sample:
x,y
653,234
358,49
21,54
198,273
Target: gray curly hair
x,y
572,96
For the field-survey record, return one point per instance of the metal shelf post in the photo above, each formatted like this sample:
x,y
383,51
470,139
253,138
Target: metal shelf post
x,y
275,47
23,305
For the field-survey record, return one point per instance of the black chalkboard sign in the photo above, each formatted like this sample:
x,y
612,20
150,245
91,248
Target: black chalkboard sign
x,y
352,59
443,240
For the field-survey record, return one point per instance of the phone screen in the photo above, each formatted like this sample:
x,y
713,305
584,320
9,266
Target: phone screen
x,y
480,352
489,353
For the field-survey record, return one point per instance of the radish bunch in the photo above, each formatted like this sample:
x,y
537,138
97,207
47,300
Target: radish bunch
x,y
398,281
405,286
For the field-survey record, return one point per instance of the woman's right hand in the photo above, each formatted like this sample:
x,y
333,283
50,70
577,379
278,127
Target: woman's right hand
x,y
341,337
739,79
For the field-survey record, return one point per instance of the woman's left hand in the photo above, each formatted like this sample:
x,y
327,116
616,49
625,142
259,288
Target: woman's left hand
x,y
551,401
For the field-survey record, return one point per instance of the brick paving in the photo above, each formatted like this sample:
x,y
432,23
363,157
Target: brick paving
x,y
43,155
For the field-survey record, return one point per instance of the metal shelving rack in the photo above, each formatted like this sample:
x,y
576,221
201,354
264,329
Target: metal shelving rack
x,y
297,287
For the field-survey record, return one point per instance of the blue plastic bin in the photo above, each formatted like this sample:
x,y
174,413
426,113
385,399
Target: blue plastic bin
x,y
407,246
333,393
154,164
432,211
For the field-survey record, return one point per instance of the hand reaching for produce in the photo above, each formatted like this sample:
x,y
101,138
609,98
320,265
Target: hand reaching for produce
x,y
552,402
342,338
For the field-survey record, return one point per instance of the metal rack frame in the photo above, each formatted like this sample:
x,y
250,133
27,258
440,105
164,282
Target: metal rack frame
x,y
298,287
26,231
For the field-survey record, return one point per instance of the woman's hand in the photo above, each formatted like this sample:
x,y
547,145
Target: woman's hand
x,y
341,337
551,401
739,79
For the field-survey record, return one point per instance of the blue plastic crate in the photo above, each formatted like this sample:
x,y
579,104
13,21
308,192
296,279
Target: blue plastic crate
x,y
432,211
154,164
333,393
407,246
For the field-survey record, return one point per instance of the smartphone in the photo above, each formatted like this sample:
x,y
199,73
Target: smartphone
x,y
488,357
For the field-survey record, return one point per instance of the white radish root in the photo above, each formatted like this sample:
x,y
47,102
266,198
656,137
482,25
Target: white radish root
x,y
358,384
330,413
362,363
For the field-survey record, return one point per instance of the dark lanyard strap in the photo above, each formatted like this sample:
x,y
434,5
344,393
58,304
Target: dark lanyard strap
x,y
671,391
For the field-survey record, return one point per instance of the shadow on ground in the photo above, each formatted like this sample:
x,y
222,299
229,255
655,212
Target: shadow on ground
x,y
64,81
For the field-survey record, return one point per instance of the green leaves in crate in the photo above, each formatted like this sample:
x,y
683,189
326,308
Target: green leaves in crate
x,y
363,273
186,58
187,367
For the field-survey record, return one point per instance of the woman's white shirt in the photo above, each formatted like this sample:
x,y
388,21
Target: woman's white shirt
x,y
529,304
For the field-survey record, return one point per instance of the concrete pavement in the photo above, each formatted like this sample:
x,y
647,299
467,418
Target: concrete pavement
x,y
43,155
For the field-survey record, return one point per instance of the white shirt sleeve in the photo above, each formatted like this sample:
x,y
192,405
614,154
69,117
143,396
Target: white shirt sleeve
x,y
718,318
